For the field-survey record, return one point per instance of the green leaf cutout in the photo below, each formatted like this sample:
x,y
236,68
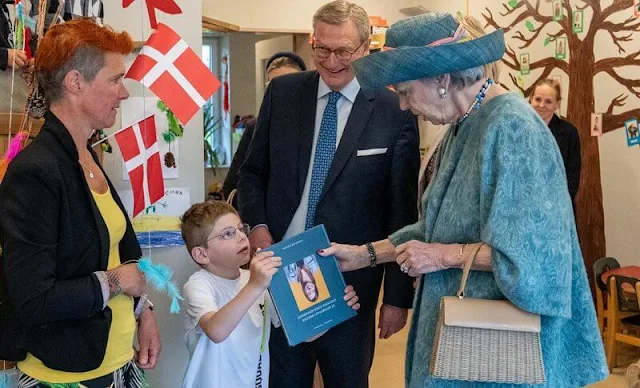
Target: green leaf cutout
x,y
530,26
547,40
513,3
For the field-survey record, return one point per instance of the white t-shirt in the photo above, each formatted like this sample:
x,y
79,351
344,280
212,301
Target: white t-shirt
x,y
241,360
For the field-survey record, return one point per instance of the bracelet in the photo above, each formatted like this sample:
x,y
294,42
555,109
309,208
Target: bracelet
x,y
460,255
372,255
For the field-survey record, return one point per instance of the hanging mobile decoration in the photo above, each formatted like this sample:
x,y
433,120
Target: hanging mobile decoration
x,y
174,130
159,276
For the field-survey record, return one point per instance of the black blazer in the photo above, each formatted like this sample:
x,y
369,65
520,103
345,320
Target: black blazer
x,y
231,180
568,141
365,198
53,238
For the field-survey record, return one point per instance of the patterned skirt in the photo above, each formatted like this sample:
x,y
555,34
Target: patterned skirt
x,y
129,376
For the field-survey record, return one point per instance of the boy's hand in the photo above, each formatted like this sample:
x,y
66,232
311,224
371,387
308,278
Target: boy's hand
x,y
263,266
351,298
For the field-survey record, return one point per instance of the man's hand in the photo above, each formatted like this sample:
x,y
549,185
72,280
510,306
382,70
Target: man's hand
x,y
392,319
260,238
148,341
19,57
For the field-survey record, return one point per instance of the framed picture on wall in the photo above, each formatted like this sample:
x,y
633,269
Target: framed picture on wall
x,y
631,128
578,21
636,8
561,47
596,124
557,10
525,60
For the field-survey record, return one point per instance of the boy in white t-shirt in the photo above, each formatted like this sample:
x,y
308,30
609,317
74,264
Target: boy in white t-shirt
x,y
229,311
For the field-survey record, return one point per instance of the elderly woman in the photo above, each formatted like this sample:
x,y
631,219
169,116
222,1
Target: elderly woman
x,y
65,234
500,181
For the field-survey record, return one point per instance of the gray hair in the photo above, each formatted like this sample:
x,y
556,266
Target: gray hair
x,y
340,11
87,60
465,78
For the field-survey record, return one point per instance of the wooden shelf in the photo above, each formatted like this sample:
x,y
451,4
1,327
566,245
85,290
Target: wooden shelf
x,y
15,124
218,25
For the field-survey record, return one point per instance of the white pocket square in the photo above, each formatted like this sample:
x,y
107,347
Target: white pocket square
x,y
372,151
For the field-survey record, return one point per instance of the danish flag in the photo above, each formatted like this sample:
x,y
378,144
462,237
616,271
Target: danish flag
x,y
141,155
174,72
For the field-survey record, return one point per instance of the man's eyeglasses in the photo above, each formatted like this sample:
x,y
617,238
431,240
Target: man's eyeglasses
x,y
230,232
342,53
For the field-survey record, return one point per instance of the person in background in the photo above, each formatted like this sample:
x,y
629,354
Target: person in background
x,y
8,55
500,186
545,99
65,235
328,151
280,63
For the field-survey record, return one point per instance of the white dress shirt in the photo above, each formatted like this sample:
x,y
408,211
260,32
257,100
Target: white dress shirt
x,y
344,105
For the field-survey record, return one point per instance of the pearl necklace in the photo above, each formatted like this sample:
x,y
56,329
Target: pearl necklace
x,y
476,104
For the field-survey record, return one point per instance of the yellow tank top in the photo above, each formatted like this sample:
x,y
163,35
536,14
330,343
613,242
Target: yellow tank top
x,y
123,324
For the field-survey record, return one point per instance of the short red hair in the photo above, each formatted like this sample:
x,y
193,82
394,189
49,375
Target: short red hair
x,y
75,45
62,41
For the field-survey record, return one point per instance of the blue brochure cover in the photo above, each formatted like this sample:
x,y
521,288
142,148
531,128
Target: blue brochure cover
x,y
308,289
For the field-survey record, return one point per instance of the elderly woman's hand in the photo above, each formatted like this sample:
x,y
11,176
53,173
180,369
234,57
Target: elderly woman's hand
x,y
350,257
416,257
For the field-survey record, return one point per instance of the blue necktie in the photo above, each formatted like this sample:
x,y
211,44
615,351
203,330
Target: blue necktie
x,y
325,149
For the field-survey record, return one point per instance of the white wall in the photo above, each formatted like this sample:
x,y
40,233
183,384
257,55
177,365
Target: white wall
x,y
174,356
287,15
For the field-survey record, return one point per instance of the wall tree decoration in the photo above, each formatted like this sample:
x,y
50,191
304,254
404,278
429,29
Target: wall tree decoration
x,y
531,24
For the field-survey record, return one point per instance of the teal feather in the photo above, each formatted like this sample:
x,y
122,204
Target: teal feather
x,y
4,380
29,23
159,276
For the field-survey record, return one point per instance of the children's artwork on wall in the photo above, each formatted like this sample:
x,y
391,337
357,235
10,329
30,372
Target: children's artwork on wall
x,y
557,10
133,109
561,47
596,124
524,63
578,20
159,225
631,127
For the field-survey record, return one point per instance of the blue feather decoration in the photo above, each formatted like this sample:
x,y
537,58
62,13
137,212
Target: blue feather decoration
x,y
4,380
29,23
159,275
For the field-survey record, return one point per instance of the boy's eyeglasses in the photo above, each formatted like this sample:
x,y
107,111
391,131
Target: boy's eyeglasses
x,y
230,232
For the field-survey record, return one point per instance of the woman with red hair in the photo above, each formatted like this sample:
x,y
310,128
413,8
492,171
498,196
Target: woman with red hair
x,y
73,304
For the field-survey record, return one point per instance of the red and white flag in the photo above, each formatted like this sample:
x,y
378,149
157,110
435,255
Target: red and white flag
x,y
174,72
141,155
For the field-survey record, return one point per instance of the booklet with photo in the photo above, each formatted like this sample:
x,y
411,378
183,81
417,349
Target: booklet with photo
x,y
308,289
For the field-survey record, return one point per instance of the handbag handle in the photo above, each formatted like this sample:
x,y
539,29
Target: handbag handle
x,y
466,268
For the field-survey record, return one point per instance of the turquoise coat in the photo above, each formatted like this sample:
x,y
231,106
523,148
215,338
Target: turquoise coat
x,y
501,180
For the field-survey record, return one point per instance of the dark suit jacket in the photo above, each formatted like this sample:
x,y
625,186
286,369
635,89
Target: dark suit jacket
x,y
569,143
53,238
231,180
365,198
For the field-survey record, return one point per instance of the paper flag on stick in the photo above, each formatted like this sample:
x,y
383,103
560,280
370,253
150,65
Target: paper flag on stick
x,y
174,72
141,155
166,6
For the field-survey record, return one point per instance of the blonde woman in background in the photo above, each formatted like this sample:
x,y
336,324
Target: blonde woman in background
x,y
545,99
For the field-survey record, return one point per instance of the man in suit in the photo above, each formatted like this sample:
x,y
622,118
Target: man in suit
x,y
326,151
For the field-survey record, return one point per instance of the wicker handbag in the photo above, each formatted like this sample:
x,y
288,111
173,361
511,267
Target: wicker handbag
x,y
486,340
